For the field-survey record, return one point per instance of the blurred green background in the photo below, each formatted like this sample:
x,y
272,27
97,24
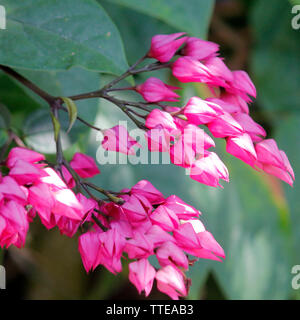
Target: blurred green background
x,y
255,218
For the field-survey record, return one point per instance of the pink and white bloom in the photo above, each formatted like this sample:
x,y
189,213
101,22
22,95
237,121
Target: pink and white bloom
x,y
142,275
242,148
199,244
199,111
171,282
209,170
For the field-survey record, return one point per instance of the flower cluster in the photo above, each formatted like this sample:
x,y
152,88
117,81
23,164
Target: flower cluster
x,y
148,224
141,224
31,187
225,114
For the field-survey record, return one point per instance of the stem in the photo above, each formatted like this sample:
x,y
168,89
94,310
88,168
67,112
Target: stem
x,y
124,75
105,192
120,89
98,223
59,152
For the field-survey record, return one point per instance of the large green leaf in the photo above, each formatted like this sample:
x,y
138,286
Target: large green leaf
x,y
136,28
58,35
192,16
276,59
288,137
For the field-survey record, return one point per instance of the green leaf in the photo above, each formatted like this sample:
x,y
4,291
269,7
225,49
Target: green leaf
x,y
5,117
136,29
56,126
72,111
192,17
58,35
3,137
288,136
276,59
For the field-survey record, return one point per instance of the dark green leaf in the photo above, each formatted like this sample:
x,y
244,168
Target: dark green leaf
x,y
276,59
192,16
58,35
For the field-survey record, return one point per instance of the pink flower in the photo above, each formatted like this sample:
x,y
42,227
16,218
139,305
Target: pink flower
x,y
236,101
67,177
227,106
158,139
164,46
142,275
165,218
157,117
146,189
274,161
154,90
14,224
10,189
254,130
221,75
225,126
199,111
180,208
25,173
89,245
66,204
199,49
25,154
209,170
170,254
242,83
242,148
190,144
42,199
139,246
199,244
158,236
268,153
69,226
118,139
84,165
134,210
186,69
171,282
111,248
